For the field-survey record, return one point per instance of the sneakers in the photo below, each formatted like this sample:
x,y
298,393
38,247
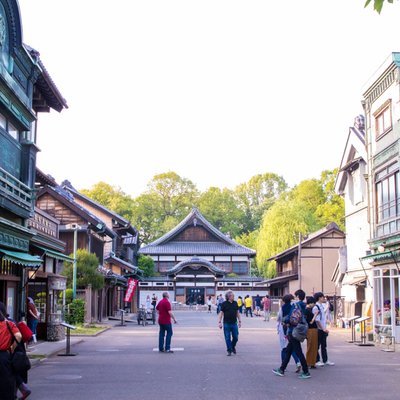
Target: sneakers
x,y
319,364
298,368
233,350
304,375
25,391
229,353
169,351
330,363
278,372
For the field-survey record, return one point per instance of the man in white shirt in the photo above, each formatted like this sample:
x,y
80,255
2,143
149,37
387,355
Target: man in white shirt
x,y
321,320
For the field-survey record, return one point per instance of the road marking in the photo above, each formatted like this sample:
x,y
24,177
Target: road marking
x,y
173,349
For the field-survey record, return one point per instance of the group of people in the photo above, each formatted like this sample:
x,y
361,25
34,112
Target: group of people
x,y
314,313
15,337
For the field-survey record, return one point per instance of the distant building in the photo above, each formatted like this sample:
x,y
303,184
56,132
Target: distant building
x,y
352,276
196,260
308,265
381,100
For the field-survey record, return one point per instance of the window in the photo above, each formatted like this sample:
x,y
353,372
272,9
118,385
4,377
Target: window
x,y
226,266
388,200
239,267
9,127
3,122
180,291
383,119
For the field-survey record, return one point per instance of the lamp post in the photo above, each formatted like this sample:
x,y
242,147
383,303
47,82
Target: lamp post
x,y
75,228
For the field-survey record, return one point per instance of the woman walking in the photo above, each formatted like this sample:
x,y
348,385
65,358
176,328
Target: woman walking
x,y
32,317
8,331
312,333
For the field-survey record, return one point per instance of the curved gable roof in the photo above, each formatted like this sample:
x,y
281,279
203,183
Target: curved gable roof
x,y
196,261
225,242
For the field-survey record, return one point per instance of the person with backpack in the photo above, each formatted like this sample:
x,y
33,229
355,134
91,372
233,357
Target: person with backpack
x,y
312,333
282,329
296,333
320,312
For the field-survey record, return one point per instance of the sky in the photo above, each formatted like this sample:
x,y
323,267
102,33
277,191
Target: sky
x,y
215,90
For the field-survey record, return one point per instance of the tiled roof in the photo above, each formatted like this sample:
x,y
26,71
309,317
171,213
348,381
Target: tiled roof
x,y
198,261
166,245
329,228
196,249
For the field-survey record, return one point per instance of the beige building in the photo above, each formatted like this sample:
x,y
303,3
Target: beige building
x,y
309,265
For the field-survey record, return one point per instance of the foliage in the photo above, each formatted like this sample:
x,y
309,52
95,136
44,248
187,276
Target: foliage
x,y
111,197
87,273
308,207
220,207
76,314
68,296
378,4
257,195
231,275
168,199
146,264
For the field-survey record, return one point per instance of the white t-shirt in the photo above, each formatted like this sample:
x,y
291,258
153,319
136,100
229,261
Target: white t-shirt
x,y
209,302
319,309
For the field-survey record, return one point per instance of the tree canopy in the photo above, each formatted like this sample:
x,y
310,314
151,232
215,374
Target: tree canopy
x,y
87,273
378,4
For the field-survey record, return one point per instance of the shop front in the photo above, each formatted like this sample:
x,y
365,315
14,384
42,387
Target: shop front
x,y
386,301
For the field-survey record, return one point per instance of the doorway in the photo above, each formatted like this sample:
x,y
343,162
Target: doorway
x,y
195,295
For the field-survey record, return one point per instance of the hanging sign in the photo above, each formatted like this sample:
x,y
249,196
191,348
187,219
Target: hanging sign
x,y
130,291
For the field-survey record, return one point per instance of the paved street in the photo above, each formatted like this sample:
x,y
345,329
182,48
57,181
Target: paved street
x,y
121,364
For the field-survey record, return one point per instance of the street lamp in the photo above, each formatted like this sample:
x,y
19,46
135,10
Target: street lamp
x,y
75,228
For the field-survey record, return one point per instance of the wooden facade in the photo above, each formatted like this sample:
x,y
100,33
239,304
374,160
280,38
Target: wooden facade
x,y
26,89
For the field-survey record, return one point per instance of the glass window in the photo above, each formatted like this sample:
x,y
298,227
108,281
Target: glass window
x,y
388,197
13,131
3,122
383,121
239,267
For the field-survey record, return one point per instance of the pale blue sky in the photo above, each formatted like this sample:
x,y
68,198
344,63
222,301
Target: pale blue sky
x,y
216,90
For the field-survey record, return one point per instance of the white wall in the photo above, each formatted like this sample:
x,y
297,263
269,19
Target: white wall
x,y
158,293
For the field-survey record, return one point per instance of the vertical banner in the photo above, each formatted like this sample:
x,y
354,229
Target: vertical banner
x,y
130,291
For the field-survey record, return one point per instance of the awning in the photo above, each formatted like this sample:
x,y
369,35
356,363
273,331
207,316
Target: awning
x,y
24,259
357,281
387,255
279,280
55,254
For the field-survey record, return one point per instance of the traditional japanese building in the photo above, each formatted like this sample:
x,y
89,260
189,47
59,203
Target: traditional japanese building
x,y
308,265
26,89
196,260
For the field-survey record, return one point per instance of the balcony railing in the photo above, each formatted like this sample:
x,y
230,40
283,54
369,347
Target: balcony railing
x,y
15,190
288,272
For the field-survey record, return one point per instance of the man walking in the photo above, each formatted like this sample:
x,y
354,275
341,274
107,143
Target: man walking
x,y
321,319
293,344
257,304
232,322
165,315
220,300
248,305
266,307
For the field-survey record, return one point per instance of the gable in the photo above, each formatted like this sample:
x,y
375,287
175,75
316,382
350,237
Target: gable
x,y
195,234
55,208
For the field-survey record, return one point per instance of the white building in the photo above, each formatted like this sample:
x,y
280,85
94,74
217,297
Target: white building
x,y
352,275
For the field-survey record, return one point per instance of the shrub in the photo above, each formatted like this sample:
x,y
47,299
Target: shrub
x,y
76,312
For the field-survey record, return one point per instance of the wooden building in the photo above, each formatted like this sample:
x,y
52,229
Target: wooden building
x,y
196,260
309,265
120,253
26,89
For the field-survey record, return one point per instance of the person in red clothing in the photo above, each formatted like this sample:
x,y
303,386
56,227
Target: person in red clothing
x,y
7,376
165,316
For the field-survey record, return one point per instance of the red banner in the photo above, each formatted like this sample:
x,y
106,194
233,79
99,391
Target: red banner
x,y
132,285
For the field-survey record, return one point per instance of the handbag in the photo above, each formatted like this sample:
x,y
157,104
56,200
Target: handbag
x,y
300,332
20,362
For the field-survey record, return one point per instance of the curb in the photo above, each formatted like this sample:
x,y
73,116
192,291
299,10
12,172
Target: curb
x,y
94,334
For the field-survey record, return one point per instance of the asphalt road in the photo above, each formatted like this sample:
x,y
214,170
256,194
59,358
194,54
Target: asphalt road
x,y
121,364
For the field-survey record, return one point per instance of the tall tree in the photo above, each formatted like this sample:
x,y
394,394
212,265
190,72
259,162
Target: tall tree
x,y
219,206
111,197
168,200
257,195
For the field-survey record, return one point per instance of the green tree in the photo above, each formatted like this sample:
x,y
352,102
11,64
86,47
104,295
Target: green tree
x,y
167,200
87,273
378,4
257,195
113,198
146,264
220,207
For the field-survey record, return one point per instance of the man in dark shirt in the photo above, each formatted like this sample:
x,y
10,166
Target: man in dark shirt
x,y
231,316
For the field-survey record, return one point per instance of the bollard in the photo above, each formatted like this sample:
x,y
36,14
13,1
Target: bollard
x,y
68,340
122,318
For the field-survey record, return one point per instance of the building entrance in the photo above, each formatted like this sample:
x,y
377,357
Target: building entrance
x,y
195,295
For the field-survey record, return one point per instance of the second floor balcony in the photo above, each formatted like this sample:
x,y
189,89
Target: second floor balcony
x,y
17,197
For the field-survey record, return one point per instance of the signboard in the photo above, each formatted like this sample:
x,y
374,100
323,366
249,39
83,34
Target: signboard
x,y
57,283
132,285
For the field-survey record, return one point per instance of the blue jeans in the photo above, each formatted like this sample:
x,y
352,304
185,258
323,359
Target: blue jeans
x,y
294,355
231,333
165,329
32,324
